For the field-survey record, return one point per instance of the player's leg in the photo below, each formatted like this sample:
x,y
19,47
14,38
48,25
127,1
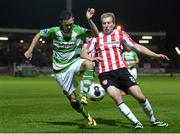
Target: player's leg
x,y
123,93
79,108
83,94
124,109
88,77
65,81
109,82
136,92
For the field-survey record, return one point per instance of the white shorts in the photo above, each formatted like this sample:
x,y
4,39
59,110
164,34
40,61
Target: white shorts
x,y
133,72
65,79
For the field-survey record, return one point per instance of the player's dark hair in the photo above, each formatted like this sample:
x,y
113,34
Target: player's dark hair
x,y
65,15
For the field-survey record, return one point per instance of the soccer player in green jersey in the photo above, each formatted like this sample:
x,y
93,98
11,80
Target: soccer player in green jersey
x,y
67,46
132,60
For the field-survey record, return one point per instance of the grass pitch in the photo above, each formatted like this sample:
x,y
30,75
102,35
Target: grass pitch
x,y
36,104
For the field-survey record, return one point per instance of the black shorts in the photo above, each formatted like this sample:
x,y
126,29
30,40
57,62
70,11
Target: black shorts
x,y
120,78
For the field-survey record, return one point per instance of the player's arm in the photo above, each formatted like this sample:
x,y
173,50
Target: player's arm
x,y
148,52
128,42
28,53
89,14
85,55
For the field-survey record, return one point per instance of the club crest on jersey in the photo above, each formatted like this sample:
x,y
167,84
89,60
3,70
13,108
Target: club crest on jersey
x,y
45,31
105,82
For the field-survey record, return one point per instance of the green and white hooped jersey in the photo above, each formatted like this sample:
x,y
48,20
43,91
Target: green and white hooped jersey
x,y
130,57
66,50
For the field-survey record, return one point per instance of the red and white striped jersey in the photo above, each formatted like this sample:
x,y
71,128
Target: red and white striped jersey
x,y
110,49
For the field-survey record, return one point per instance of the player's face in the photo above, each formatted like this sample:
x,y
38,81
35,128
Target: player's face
x,y
67,26
107,25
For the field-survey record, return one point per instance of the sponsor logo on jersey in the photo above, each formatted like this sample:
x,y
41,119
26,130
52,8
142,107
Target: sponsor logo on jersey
x,y
44,31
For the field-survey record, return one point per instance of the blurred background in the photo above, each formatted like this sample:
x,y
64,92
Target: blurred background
x,y
152,23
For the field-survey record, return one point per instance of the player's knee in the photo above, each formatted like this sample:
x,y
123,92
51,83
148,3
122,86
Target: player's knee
x,y
141,99
115,94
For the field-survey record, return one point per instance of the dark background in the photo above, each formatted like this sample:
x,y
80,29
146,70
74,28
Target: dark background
x,y
133,15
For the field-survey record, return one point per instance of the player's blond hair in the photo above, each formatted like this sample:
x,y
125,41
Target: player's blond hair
x,y
108,14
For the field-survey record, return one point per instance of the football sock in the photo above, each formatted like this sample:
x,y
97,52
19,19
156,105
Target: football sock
x,y
124,109
79,108
82,93
148,110
88,77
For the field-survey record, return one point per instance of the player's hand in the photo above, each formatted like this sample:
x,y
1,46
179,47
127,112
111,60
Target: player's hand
x,y
28,55
162,56
90,12
98,59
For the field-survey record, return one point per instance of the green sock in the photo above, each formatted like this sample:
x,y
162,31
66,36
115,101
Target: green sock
x,y
79,108
88,77
84,113
82,110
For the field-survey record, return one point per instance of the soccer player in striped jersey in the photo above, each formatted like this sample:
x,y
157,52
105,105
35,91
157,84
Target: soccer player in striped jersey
x,y
113,73
132,60
67,44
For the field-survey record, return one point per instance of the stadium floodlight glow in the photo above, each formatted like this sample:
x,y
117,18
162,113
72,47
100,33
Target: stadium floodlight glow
x,y
21,41
146,37
3,38
118,27
177,50
144,41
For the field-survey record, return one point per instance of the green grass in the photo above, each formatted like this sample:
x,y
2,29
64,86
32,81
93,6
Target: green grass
x,y
37,104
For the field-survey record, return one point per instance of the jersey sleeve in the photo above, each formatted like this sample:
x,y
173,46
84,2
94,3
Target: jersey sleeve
x,y
48,32
127,41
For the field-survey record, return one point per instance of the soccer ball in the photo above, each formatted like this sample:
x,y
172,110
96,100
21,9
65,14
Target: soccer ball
x,y
96,92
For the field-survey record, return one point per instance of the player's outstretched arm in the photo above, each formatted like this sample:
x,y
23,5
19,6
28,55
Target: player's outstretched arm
x,y
89,14
148,52
28,53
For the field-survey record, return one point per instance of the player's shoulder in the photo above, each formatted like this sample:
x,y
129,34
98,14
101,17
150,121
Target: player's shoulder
x,y
55,29
77,27
80,30
51,29
124,33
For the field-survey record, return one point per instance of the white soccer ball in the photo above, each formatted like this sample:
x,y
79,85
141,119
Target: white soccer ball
x,y
96,92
